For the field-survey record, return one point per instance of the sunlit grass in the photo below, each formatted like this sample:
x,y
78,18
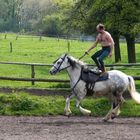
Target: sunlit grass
x,y
30,49
24,104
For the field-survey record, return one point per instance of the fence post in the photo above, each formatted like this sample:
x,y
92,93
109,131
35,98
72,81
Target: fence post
x,y
32,74
16,37
11,47
40,38
58,38
68,45
5,36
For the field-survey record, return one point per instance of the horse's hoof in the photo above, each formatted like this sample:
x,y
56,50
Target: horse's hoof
x,y
68,114
105,120
87,114
113,116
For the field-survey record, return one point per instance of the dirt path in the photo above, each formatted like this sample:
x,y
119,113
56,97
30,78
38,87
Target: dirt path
x,y
73,128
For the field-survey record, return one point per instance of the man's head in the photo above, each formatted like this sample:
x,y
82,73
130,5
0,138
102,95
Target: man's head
x,y
100,28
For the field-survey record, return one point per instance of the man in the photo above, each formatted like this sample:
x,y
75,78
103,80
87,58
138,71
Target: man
x,y
107,43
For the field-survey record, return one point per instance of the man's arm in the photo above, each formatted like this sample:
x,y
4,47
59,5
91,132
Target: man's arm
x,y
93,46
111,41
111,50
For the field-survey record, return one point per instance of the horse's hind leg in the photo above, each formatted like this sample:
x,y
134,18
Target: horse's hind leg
x,y
108,116
115,109
112,113
67,105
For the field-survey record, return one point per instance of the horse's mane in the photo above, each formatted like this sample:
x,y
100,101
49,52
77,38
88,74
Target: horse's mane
x,y
77,61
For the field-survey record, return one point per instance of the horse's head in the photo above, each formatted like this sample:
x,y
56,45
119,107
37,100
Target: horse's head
x,y
62,63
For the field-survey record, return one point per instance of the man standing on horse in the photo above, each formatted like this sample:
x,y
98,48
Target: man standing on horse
x,y
107,43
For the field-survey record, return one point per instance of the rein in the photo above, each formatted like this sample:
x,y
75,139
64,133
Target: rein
x,y
80,73
76,82
82,56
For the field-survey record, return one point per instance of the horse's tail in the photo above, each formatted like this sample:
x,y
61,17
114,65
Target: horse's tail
x,y
134,94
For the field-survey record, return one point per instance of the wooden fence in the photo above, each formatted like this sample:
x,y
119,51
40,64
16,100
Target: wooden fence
x,y
32,79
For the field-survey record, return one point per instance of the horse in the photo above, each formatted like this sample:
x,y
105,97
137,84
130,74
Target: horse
x,y
117,83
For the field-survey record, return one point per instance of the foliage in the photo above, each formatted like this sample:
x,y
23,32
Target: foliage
x,y
25,104
9,15
119,15
52,25
83,15
33,12
33,16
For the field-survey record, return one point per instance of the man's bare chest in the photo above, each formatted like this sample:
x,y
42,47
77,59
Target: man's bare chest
x,y
103,38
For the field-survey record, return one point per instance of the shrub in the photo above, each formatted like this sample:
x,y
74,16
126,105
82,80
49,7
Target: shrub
x,y
23,103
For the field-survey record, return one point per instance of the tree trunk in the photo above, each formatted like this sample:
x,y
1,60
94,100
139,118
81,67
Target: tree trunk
x,y
130,39
117,47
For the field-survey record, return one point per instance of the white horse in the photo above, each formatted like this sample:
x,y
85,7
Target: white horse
x,y
117,83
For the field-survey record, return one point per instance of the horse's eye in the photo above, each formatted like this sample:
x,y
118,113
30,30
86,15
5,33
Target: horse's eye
x,y
58,63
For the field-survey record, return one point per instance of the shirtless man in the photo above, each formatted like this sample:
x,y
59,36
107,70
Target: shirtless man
x,y
107,43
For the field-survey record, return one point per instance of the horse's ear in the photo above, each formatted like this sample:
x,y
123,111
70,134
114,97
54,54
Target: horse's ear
x,y
72,62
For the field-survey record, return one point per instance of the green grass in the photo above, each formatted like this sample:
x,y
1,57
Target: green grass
x,y
24,104
30,49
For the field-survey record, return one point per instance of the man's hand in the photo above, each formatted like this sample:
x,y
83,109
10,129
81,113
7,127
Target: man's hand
x,y
86,52
110,54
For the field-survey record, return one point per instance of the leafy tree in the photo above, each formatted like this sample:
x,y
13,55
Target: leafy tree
x,y
9,14
44,16
121,17
3,14
52,25
63,9
12,14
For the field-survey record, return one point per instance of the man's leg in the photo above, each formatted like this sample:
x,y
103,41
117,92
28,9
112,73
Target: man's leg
x,y
95,58
104,54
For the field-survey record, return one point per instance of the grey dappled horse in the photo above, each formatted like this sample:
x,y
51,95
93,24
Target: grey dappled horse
x,y
114,87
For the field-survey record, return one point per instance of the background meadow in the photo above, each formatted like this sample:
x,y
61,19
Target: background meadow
x,y
44,50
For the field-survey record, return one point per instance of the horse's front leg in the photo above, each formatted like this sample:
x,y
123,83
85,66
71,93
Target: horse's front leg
x,y
67,105
82,110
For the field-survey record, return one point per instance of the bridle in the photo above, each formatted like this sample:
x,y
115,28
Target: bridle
x,y
58,68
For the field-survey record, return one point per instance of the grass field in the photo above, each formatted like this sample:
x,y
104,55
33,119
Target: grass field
x,y
31,49
24,104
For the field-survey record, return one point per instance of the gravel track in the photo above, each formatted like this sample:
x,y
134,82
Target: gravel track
x,y
64,128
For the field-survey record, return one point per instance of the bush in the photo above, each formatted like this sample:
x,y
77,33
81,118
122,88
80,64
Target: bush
x,y
23,103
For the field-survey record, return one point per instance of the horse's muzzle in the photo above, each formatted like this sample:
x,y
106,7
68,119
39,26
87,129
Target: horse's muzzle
x,y
53,71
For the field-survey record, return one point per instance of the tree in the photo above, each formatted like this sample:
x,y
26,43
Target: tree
x,y
16,15
9,14
52,25
3,14
130,19
120,17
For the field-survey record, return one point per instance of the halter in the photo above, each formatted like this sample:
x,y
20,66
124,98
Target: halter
x,y
58,69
